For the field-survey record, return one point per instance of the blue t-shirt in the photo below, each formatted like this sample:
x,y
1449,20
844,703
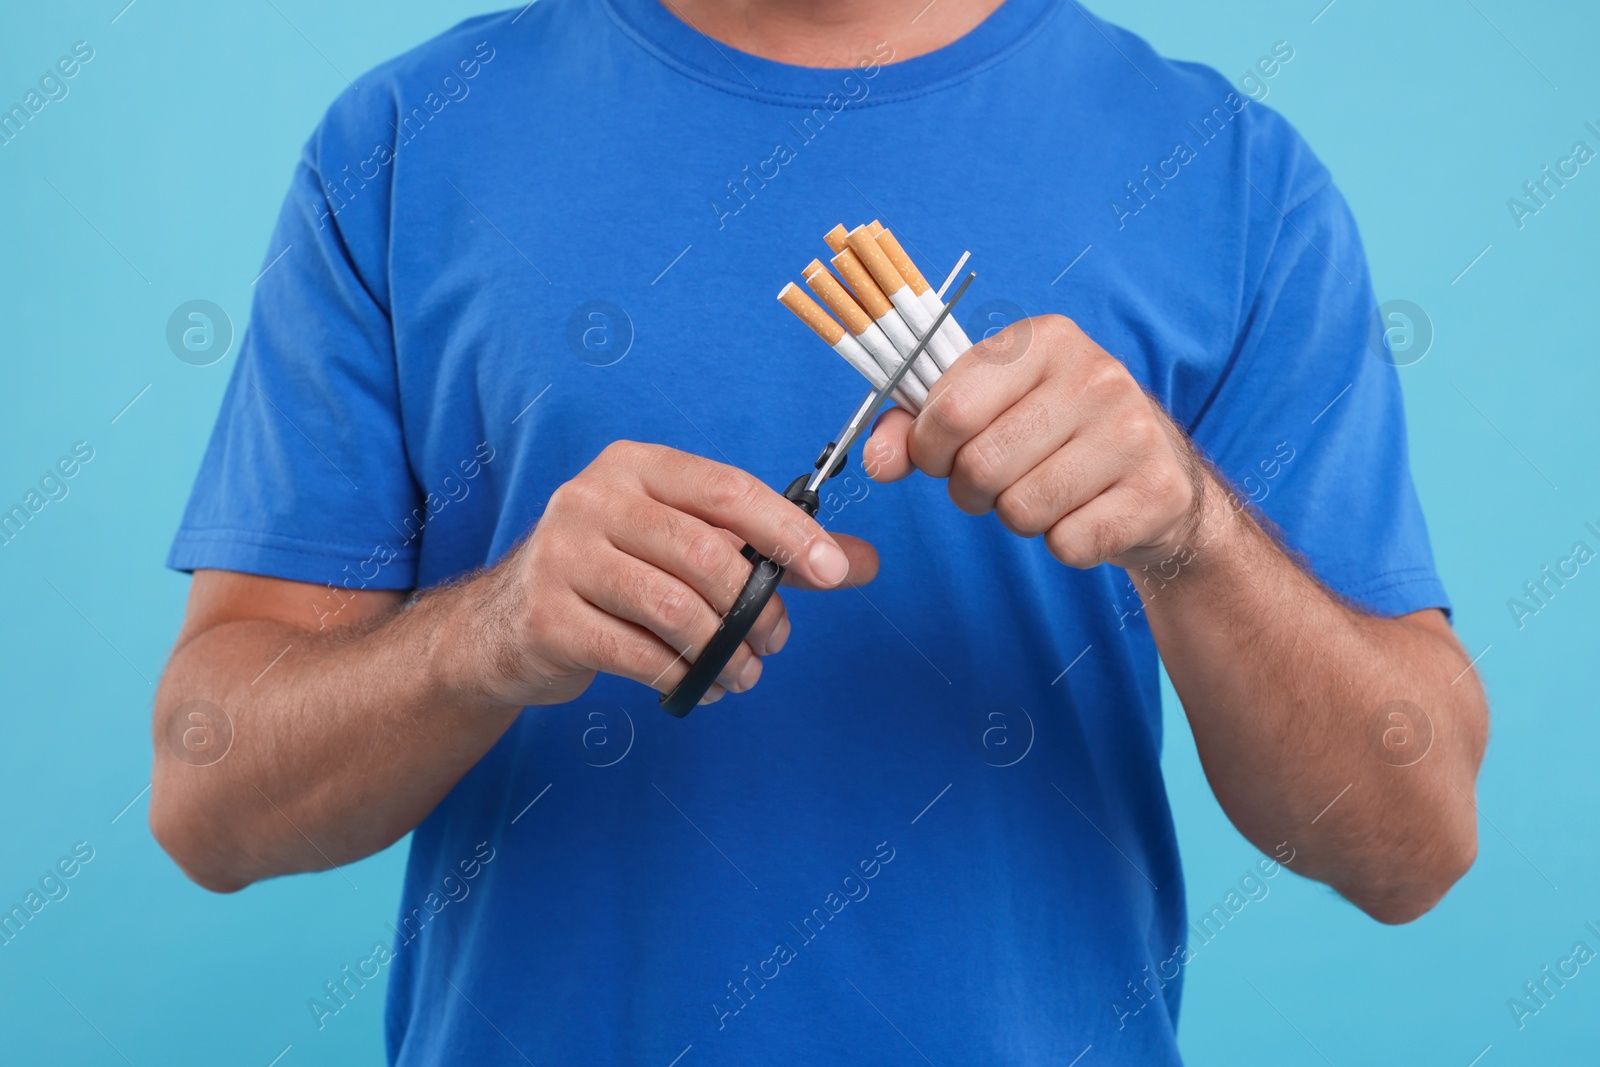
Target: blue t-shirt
x,y
938,825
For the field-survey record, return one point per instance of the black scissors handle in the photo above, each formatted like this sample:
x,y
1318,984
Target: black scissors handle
x,y
758,589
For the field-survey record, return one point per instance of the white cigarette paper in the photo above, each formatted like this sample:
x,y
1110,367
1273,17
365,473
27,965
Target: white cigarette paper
x,y
858,322
840,340
912,310
885,315
886,311
949,330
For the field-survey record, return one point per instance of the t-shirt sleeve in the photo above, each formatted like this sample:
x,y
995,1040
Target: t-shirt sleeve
x,y
306,476
1308,422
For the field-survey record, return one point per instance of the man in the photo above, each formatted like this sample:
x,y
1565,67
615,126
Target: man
x,y
515,395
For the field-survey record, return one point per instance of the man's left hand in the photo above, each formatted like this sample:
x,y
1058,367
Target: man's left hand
x,y
1045,428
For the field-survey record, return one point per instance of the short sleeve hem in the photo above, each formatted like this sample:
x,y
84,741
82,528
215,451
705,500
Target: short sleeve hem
x,y
1401,593
294,559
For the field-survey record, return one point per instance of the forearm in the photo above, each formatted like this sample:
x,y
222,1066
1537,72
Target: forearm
x,y
1282,683
340,746
1289,692
346,739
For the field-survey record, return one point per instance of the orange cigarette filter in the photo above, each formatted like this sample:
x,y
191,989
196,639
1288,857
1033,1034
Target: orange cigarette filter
x,y
838,238
849,266
902,262
810,312
833,295
877,264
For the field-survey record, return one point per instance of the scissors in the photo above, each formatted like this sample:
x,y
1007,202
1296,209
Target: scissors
x,y
766,573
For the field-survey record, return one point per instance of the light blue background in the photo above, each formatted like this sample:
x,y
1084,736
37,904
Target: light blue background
x,y
176,144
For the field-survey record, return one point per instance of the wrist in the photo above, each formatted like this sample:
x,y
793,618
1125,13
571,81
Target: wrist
x,y
464,642
1204,538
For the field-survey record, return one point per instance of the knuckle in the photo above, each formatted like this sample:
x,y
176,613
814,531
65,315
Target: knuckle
x,y
675,606
1163,482
727,489
1105,376
979,462
1085,546
549,548
954,412
1056,326
1070,547
706,553
1018,511
1146,433
621,452
569,497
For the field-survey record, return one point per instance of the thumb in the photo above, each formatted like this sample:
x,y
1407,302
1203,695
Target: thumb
x,y
863,565
886,456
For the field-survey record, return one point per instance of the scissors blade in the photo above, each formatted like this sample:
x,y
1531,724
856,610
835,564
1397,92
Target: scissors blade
x,y
869,407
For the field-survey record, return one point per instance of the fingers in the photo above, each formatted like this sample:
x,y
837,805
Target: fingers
x,y
599,641
709,559
969,396
1099,531
771,629
885,457
1021,438
734,500
1057,486
703,557
637,559
667,610
1120,525
863,564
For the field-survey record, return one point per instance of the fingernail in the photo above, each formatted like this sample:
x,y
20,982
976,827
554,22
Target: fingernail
x,y
750,675
828,562
780,636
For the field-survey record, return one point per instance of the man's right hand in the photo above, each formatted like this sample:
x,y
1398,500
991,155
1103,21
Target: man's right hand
x,y
379,710
630,570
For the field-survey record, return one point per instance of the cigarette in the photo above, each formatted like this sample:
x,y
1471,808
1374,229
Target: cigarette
x,y
859,323
838,238
884,314
950,330
841,341
912,310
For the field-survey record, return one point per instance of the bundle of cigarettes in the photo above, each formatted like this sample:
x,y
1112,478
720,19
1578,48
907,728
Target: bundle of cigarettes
x,y
884,307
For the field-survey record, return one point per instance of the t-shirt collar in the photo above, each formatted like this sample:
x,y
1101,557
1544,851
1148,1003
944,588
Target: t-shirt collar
x,y
658,30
